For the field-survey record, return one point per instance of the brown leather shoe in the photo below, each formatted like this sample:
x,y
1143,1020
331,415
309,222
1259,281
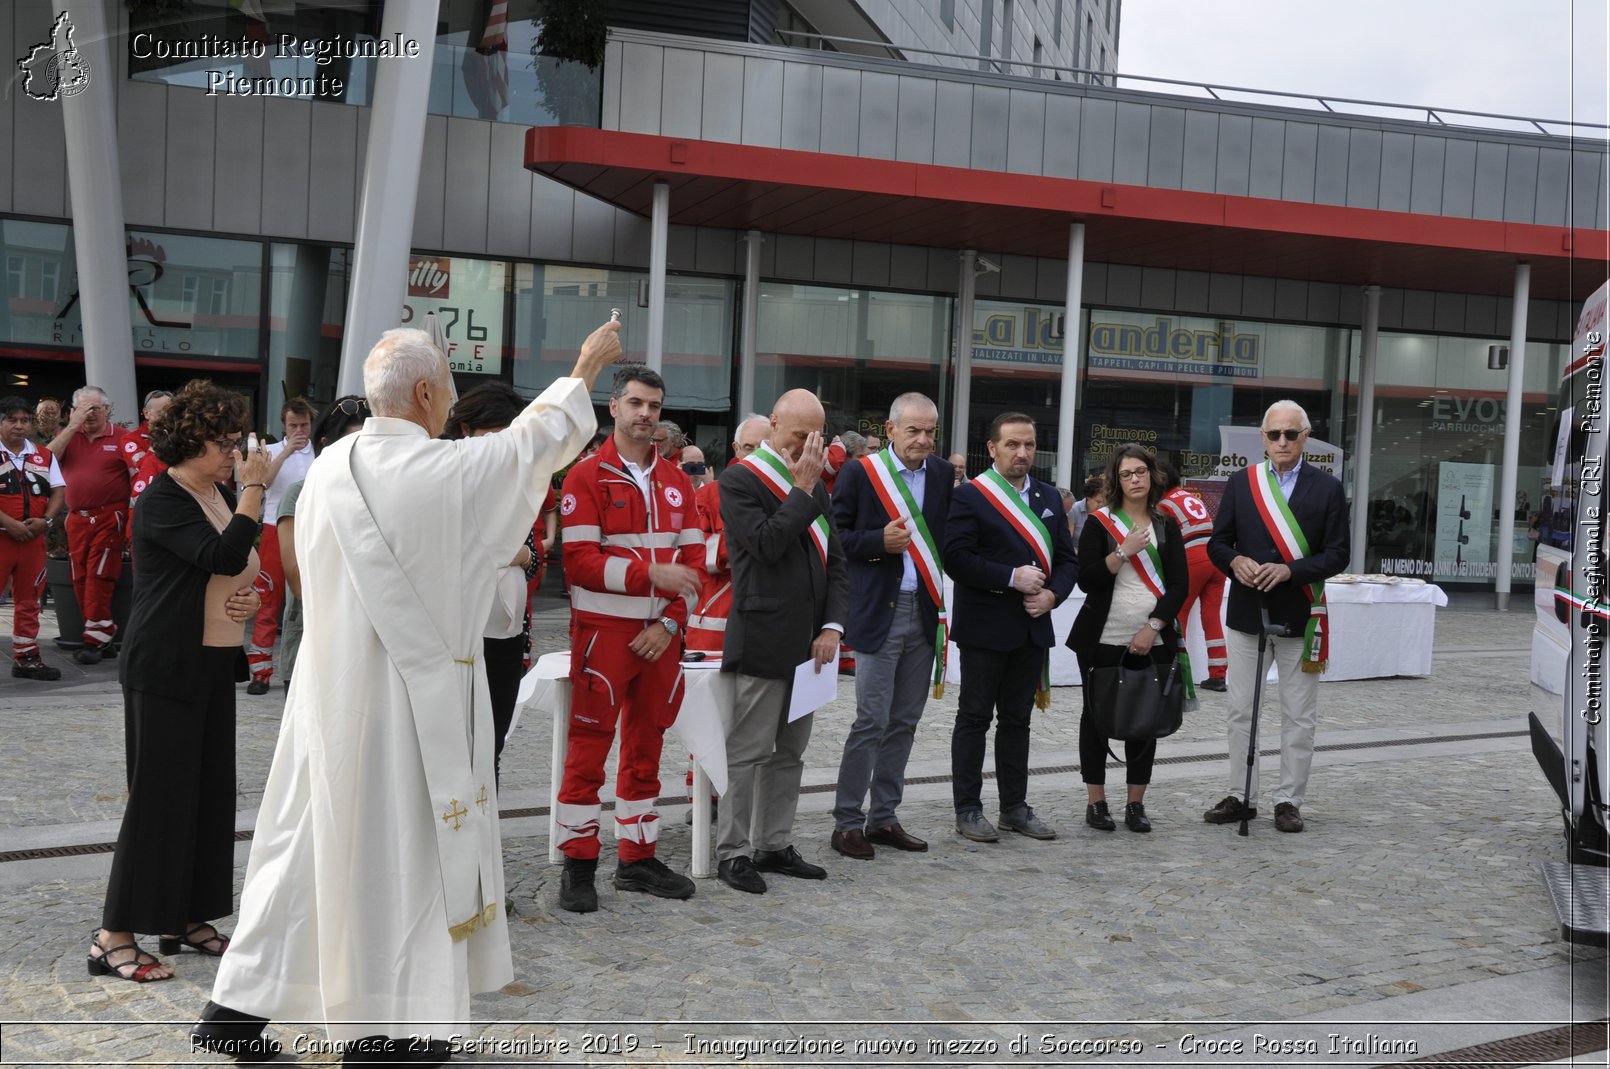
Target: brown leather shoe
x,y
853,843
1228,811
1287,818
896,836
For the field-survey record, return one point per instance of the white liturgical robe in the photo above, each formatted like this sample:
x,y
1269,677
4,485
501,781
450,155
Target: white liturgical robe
x,y
374,895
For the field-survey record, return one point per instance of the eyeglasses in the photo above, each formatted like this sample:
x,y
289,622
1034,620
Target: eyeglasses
x,y
1133,474
352,405
1291,436
229,445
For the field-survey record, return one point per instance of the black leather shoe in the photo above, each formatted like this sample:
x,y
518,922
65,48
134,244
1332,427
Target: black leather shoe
x,y
222,1030
1135,817
896,836
257,686
788,862
651,876
1287,818
576,891
88,655
852,843
1228,811
1098,816
1212,683
739,874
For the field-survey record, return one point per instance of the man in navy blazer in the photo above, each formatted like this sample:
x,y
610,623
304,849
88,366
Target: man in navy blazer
x,y
893,618
1008,548
1243,547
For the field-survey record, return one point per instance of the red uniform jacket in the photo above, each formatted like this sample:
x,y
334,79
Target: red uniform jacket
x,y
611,536
707,627
24,494
1192,516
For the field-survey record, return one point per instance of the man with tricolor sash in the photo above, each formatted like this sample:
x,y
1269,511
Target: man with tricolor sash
x,y
789,600
1281,531
1008,548
889,509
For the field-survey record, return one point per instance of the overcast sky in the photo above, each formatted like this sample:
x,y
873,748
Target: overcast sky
x,y
1536,58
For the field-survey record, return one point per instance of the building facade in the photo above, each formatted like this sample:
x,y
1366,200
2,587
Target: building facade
x,y
1242,276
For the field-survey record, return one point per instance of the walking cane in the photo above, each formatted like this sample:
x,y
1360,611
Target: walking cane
x,y
1265,632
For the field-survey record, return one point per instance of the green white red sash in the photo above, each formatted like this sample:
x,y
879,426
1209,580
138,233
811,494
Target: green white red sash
x,y
1004,498
1289,540
898,502
1148,564
773,471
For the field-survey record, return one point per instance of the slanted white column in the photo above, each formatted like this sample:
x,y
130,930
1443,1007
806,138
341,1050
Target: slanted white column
x,y
390,188
1505,552
1072,351
964,352
659,249
1363,439
751,327
89,117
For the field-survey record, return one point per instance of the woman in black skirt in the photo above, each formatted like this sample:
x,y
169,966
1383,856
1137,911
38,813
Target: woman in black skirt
x,y
173,869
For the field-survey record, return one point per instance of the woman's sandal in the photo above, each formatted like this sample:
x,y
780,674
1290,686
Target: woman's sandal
x,y
135,969
213,946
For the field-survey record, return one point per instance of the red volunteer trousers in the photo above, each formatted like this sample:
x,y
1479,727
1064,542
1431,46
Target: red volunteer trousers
x,y
266,628
95,547
22,564
1207,584
609,684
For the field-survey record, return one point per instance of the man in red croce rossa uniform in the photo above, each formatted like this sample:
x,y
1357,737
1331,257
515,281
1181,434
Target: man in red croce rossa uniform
x,y
1207,582
633,554
31,494
98,460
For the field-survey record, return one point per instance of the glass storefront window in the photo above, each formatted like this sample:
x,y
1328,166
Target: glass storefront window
x,y
857,350
1017,367
1436,461
556,306
307,300
468,298
487,67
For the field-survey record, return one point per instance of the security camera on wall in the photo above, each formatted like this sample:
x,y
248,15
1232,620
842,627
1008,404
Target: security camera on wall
x,y
985,266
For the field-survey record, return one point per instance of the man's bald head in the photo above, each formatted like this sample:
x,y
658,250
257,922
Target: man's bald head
x,y
795,416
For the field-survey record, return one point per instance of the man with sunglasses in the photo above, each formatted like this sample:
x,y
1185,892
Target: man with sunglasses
x,y
1281,531
99,460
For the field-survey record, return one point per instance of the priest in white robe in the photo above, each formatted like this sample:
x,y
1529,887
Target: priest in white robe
x,y
373,899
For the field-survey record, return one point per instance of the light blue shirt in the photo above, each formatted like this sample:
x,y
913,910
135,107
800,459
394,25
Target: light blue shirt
x,y
917,484
1287,481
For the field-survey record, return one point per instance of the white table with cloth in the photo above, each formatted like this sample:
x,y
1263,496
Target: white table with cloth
x,y
701,726
1378,629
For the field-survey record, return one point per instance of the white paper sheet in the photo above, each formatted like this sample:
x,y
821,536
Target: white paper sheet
x,y
812,689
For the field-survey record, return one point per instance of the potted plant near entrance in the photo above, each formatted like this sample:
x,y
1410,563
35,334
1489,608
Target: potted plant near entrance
x,y
59,582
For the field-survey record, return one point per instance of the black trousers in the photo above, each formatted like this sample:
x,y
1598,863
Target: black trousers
x,y
1138,756
994,684
505,665
175,856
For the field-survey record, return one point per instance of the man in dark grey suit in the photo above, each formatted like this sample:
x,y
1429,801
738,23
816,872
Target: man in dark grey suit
x,y
889,510
789,599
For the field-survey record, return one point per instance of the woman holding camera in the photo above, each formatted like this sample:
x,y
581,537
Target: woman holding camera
x,y
1132,569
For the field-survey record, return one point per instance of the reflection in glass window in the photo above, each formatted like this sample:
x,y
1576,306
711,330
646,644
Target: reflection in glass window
x,y
307,300
487,67
556,306
856,349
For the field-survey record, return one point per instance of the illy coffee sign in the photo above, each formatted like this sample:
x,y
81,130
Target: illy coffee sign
x,y
429,276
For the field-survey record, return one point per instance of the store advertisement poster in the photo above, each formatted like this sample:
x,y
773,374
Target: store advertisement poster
x,y
1464,522
1242,446
467,297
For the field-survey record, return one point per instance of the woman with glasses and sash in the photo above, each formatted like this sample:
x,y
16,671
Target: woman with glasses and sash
x,y
173,869
1133,571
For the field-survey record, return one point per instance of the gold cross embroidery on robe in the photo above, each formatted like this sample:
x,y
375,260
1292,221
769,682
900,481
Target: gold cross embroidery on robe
x,y
481,801
455,814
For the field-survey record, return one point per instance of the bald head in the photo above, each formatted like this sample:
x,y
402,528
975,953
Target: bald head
x,y
796,415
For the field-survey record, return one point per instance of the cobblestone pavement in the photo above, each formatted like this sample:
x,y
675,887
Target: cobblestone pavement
x,y
1413,898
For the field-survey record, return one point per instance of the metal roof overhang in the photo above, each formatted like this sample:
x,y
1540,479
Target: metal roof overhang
x,y
785,191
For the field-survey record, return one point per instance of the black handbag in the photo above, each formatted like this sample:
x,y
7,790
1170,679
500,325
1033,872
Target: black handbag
x,y
1135,704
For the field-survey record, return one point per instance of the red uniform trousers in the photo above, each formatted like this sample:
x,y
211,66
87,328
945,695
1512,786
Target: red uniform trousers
x,y
22,564
609,684
95,547
1207,585
270,587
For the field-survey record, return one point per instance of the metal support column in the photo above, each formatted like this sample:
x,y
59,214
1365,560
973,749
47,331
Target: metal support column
x,y
751,326
1363,439
964,352
390,188
1072,351
659,248
1504,553
95,185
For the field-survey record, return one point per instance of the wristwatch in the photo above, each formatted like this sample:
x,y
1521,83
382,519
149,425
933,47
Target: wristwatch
x,y
670,625
1155,624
